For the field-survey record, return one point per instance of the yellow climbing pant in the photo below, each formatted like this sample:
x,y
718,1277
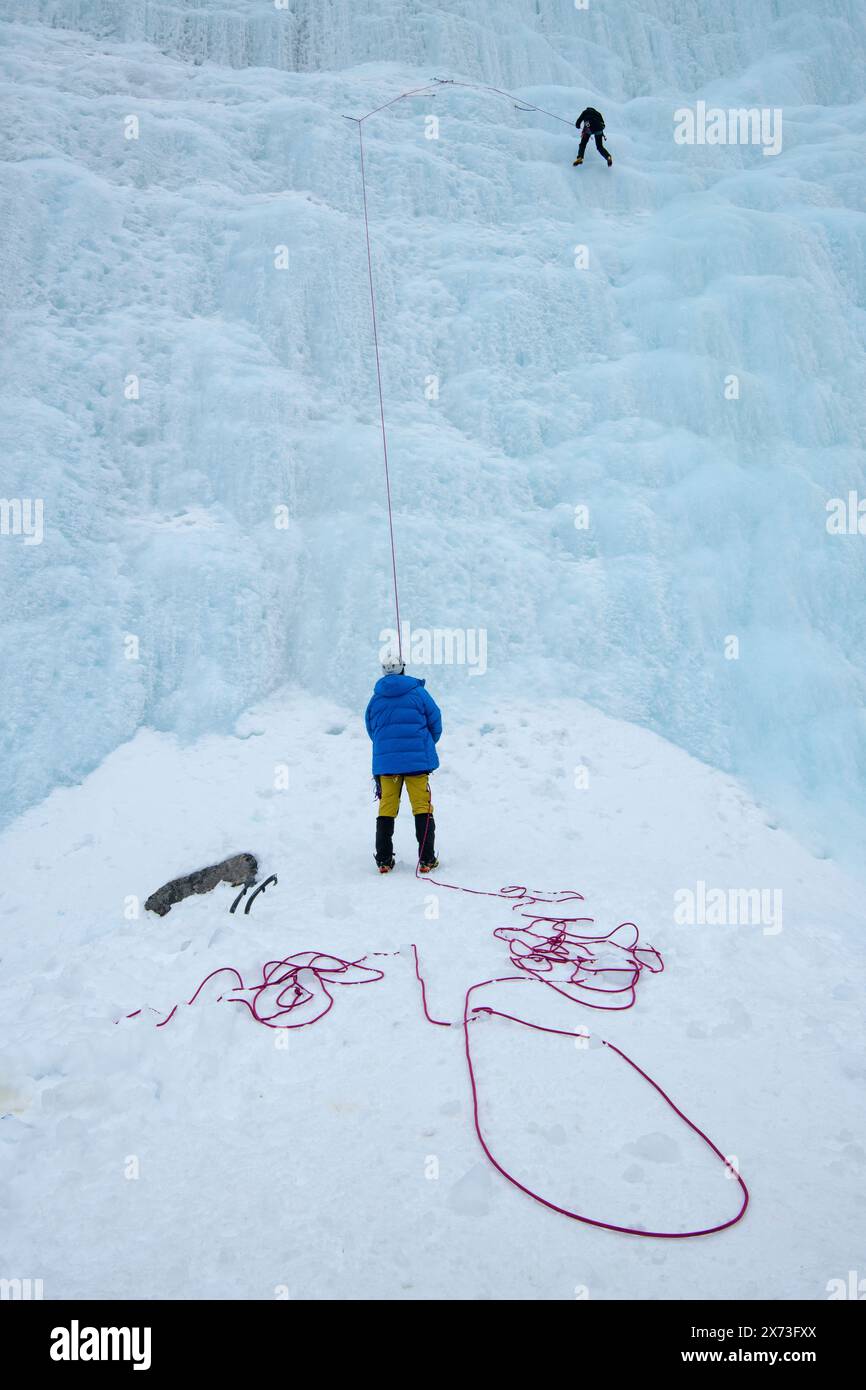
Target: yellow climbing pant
x,y
418,788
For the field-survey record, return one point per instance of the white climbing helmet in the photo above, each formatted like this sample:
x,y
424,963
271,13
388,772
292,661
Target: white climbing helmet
x,y
392,662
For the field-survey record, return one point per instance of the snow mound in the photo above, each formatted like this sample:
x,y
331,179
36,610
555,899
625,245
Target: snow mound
x,y
207,1160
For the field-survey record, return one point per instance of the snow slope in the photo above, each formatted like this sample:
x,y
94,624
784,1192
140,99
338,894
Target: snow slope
x,y
153,258
308,1171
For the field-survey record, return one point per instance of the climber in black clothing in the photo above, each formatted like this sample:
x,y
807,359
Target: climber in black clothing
x,y
593,124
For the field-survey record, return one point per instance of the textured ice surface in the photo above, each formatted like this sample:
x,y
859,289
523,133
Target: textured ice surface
x,y
154,257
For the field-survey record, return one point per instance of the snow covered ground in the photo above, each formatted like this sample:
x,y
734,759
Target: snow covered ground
x,y
306,1168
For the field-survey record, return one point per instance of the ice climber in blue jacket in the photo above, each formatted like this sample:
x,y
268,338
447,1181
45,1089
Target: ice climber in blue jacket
x,y
405,725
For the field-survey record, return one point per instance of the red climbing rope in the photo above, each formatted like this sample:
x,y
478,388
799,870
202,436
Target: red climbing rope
x,y
551,953
431,89
565,961
520,103
296,991
568,962
545,1201
292,992
379,384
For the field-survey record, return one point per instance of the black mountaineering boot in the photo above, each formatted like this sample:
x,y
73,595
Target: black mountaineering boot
x,y
385,843
425,834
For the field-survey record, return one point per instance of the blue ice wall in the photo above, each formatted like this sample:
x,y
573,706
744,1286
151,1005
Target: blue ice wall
x,y
187,380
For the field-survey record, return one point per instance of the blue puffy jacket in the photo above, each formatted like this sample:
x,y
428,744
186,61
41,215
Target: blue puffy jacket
x,y
404,723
